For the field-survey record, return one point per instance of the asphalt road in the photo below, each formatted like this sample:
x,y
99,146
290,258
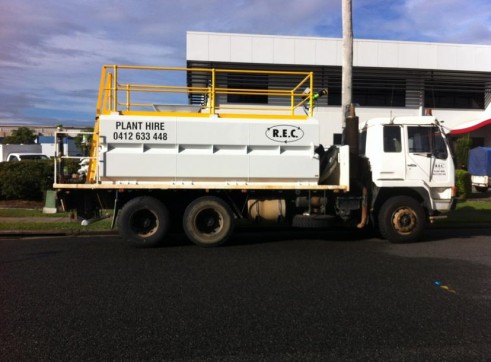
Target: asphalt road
x,y
275,296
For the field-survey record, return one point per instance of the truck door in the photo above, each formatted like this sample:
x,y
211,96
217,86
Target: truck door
x,y
427,155
393,157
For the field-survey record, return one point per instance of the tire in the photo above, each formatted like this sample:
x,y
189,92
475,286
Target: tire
x,y
482,189
313,221
143,221
208,221
401,219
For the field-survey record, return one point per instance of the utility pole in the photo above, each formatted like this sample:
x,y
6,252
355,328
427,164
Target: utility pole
x,y
347,64
350,121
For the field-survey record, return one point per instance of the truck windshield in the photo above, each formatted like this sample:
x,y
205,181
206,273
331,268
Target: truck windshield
x,y
427,140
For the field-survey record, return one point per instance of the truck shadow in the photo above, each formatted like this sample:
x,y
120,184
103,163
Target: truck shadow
x,y
251,236
248,236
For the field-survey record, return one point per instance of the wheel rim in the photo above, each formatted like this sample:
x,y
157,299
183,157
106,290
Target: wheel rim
x,y
144,223
209,222
404,220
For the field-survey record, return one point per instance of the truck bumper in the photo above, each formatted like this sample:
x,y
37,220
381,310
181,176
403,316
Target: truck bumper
x,y
444,205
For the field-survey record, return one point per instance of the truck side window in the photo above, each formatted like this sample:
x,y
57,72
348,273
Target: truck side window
x,y
392,139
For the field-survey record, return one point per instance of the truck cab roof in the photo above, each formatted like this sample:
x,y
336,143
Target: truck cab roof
x,y
406,120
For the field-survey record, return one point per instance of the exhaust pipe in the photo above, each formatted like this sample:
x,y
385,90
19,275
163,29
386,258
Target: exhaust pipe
x,y
351,139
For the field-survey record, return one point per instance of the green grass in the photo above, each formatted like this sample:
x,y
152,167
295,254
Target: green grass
x,y
29,213
11,222
55,226
470,212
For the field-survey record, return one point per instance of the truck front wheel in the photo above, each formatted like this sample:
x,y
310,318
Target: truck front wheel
x,y
401,219
143,221
208,221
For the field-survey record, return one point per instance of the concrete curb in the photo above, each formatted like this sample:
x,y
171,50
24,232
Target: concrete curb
x,y
33,233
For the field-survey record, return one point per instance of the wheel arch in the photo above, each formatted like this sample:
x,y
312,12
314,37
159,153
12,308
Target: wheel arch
x,y
381,194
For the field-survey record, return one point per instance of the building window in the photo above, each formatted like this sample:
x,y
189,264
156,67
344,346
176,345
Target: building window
x,y
376,92
443,92
454,99
370,92
253,84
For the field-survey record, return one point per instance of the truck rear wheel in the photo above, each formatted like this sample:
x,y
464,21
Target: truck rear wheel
x,y
482,189
401,220
208,221
143,221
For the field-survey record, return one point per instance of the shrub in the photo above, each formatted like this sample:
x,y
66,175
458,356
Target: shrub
x,y
463,183
25,180
463,146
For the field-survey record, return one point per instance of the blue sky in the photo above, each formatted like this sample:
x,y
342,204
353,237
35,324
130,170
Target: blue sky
x,y
52,51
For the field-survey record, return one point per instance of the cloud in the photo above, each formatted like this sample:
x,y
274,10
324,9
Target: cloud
x,y
450,21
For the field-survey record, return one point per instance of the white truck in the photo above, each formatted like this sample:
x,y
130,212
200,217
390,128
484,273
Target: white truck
x,y
480,168
205,167
21,152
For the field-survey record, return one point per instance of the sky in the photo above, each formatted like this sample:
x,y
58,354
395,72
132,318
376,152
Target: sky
x,y
52,51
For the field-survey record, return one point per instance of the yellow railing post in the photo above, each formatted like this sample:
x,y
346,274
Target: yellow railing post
x,y
114,89
128,96
212,95
102,91
94,154
107,99
292,101
311,96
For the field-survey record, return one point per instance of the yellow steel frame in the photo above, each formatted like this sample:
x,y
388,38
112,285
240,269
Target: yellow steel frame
x,y
111,90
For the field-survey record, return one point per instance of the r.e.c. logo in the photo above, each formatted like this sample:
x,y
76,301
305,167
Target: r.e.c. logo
x,y
284,133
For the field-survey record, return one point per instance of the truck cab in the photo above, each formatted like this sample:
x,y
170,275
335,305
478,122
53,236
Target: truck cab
x,y
409,157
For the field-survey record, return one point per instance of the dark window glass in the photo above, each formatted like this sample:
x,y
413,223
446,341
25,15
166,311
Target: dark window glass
x,y
428,140
444,92
363,142
372,92
337,138
249,87
392,139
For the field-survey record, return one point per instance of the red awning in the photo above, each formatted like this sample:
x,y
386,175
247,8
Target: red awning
x,y
472,125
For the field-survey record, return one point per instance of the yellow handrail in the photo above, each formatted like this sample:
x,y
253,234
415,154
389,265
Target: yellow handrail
x,y
114,86
94,154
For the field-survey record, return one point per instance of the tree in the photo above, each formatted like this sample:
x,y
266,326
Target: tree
x,y
463,146
21,135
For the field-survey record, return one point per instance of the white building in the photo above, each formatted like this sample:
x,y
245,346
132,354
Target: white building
x,y
390,78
